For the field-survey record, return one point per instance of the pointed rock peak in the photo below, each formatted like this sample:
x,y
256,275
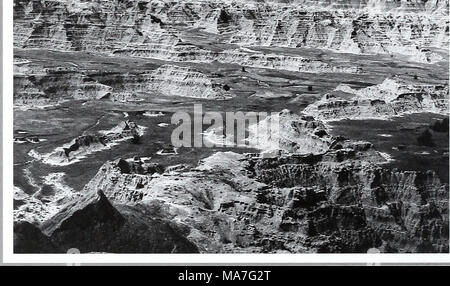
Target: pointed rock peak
x,y
90,210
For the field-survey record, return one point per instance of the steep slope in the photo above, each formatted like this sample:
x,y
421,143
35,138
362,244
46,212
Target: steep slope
x,y
334,202
29,239
92,224
153,28
36,86
174,80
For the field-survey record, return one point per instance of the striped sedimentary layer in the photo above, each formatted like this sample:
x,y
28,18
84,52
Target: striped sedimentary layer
x,y
154,28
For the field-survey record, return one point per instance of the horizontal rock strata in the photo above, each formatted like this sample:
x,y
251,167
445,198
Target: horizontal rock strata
x,y
153,28
388,99
338,201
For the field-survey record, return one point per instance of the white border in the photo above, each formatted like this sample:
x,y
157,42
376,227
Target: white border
x,y
7,129
10,257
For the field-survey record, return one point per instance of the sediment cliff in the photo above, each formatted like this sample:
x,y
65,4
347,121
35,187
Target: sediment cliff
x,y
338,201
92,224
388,99
154,28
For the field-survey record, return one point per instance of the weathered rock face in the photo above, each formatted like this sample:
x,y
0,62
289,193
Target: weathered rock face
x,y
27,92
92,224
86,144
361,27
388,99
334,202
424,6
322,194
153,28
166,80
346,31
128,179
36,86
290,132
266,60
400,206
381,5
393,204
42,205
174,80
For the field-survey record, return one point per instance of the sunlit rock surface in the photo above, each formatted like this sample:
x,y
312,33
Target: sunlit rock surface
x,y
388,99
180,81
38,87
339,201
289,132
154,28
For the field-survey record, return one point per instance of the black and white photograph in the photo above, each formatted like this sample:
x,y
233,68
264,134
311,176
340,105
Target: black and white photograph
x,y
282,127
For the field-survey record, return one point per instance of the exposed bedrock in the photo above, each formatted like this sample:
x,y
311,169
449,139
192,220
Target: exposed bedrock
x,y
43,204
422,6
307,191
36,86
167,80
289,132
250,58
351,32
402,27
400,206
388,99
286,132
92,224
86,144
338,201
172,80
153,28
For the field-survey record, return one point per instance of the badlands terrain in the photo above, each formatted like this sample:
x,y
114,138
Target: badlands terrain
x,y
359,160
